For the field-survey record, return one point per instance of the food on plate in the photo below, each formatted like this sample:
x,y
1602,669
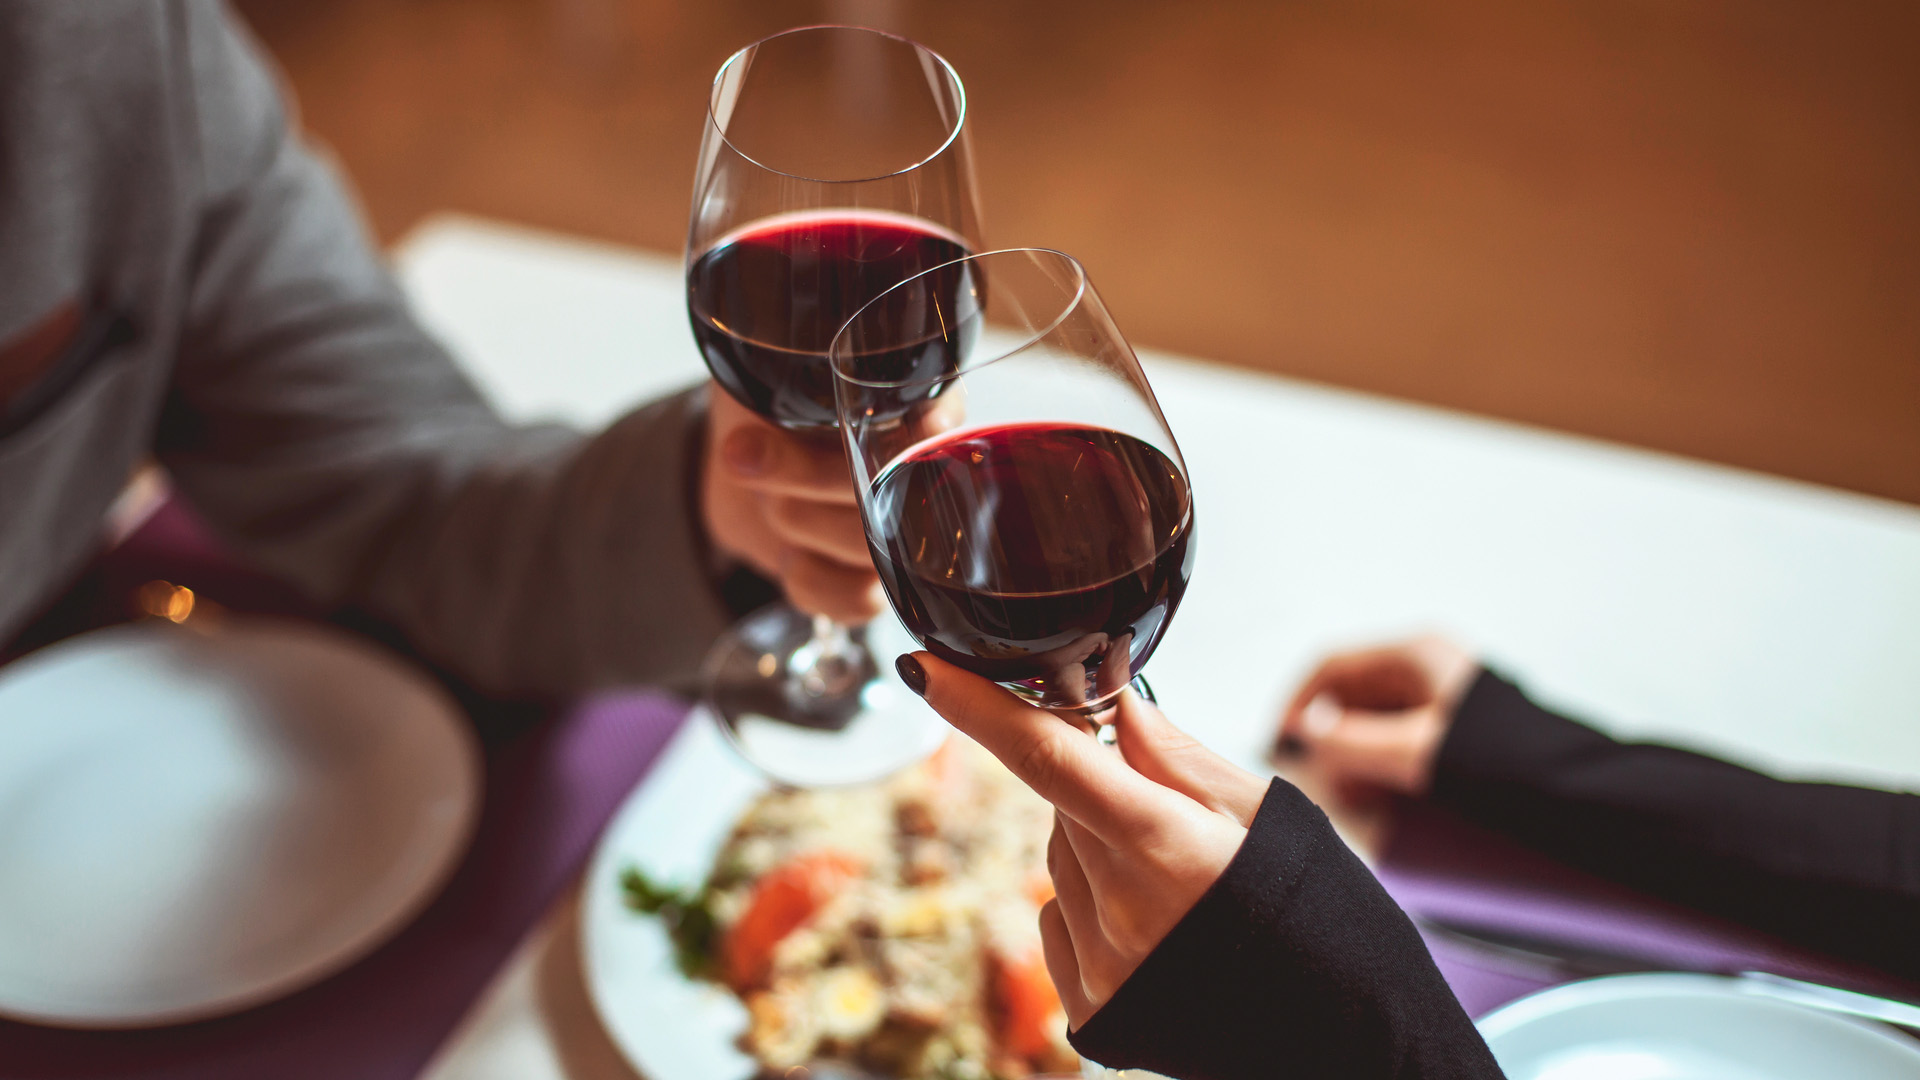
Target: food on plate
x,y
893,925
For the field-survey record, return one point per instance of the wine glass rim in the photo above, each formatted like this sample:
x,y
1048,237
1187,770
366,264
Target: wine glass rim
x,y
1080,287
953,133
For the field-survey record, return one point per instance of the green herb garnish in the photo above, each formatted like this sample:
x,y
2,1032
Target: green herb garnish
x,y
686,915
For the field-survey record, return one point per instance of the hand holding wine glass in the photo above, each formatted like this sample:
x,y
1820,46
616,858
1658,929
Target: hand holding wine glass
x,y
835,163
784,505
1377,716
1138,837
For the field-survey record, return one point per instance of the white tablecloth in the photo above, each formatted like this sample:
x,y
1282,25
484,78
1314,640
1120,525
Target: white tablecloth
x,y
1761,619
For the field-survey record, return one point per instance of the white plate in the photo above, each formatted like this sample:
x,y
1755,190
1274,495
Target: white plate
x,y
198,819
1685,1027
672,826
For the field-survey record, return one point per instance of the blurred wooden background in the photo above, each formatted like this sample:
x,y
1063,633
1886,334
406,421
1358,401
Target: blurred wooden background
x,y
1693,226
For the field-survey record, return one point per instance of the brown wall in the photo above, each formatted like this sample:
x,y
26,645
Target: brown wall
x,y
1689,226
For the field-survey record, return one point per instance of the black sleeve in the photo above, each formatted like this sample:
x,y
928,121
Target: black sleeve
x,y
1295,963
1826,866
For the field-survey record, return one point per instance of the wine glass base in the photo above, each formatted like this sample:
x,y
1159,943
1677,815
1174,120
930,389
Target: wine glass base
x,y
809,716
1096,716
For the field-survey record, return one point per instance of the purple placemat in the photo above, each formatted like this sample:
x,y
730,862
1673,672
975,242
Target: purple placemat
x,y
1445,870
548,793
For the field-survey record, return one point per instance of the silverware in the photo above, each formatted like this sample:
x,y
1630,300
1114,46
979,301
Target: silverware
x,y
1577,962
1571,961
1831,998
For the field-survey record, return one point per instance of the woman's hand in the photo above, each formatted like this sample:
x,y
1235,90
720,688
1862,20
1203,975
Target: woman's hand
x,y
784,504
1378,716
1138,836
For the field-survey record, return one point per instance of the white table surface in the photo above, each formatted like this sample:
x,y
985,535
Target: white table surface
x,y
1765,620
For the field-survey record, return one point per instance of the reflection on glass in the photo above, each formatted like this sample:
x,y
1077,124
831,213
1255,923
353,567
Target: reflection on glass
x,y
1028,509
835,164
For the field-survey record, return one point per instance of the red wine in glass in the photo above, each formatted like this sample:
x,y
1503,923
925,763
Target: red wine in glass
x,y
1035,553
835,163
767,299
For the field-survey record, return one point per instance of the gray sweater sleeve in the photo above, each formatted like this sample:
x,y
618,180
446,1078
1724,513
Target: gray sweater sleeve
x,y
325,435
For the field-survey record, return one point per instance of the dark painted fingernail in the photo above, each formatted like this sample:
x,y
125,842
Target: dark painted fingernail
x,y
1291,746
912,673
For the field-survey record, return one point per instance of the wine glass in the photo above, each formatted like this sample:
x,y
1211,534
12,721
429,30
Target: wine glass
x,y
835,164
1026,504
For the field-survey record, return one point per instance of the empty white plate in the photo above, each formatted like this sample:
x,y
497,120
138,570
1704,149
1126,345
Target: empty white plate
x,y
1685,1027
197,819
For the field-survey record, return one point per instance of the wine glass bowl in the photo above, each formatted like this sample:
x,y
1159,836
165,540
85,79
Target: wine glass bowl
x,y
1027,507
835,163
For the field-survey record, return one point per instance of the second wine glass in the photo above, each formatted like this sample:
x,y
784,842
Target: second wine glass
x,y
1026,504
835,164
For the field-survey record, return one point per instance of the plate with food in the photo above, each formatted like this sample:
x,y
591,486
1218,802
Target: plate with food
x,y
734,930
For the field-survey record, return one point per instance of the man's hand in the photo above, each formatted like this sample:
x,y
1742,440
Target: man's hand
x,y
1138,836
784,504
1377,716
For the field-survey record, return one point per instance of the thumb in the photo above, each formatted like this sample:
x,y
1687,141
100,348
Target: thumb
x,y
1172,758
1061,763
1393,750
1063,967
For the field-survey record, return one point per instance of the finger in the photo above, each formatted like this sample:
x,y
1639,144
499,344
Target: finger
x,y
1386,677
766,459
1056,943
1072,892
1093,860
829,530
1384,749
818,586
1060,762
1124,927
1340,670
1292,717
1098,945
1171,758
1299,728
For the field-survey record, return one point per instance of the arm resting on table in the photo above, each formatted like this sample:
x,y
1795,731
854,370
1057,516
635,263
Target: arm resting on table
x,y
1832,867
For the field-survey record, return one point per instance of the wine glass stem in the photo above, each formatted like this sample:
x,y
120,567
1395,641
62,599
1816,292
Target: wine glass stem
x,y
830,664
1102,722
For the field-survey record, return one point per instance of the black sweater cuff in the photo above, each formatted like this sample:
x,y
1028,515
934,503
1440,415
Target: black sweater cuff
x,y
1828,866
1295,963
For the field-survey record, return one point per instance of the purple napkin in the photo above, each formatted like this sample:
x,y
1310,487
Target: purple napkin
x,y
548,793
1445,870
